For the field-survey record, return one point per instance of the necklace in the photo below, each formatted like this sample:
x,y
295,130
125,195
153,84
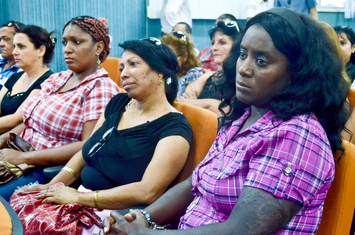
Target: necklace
x,y
127,105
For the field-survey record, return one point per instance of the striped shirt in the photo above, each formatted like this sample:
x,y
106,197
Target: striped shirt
x,y
54,119
5,74
291,159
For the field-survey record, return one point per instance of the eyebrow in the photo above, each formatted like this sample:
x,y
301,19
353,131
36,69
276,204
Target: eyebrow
x,y
258,53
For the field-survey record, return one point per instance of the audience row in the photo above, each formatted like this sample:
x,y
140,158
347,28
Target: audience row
x,y
282,113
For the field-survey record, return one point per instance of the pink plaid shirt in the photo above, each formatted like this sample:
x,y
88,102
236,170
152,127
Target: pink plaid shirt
x,y
292,160
53,118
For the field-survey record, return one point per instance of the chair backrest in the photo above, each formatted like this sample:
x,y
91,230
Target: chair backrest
x,y
204,127
112,66
351,97
340,202
10,223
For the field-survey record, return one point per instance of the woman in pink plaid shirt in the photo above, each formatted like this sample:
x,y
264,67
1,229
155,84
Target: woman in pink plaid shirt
x,y
271,166
60,118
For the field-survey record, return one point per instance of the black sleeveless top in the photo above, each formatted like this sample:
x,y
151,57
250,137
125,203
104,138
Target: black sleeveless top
x,y
10,103
209,90
123,155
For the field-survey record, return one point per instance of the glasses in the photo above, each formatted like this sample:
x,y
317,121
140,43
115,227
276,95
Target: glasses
x,y
346,27
105,137
152,40
230,24
13,24
180,35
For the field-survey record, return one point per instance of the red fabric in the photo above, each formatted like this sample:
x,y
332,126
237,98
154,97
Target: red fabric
x,y
51,218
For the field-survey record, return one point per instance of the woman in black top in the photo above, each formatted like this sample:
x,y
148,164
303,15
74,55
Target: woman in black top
x,y
139,144
34,49
202,92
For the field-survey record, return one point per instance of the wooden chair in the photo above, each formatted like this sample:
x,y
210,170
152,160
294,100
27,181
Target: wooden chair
x,y
204,125
340,202
10,223
112,66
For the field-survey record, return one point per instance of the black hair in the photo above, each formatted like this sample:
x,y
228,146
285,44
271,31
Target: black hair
x,y
39,36
313,88
227,16
12,23
161,59
350,35
187,27
222,27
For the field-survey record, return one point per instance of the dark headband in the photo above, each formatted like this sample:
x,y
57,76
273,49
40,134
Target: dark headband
x,y
293,19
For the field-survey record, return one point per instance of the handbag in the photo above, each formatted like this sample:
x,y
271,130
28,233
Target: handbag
x,y
9,171
50,218
17,143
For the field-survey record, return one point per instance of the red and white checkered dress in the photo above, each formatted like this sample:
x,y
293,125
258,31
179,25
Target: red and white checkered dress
x,y
53,119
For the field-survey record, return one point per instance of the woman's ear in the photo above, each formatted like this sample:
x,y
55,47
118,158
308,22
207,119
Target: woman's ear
x,y
99,48
41,50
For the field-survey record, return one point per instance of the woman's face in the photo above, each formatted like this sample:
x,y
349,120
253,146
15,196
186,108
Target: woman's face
x,y
261,69
346,46
25,54
221,46
180,57
80,51
137,77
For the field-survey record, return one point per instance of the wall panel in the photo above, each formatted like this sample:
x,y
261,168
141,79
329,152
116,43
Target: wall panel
x,y
127,19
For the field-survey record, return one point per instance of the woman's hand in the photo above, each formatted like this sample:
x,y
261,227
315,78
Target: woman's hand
x,y
3,142
130,223
60,195
12,156
191,94
31,188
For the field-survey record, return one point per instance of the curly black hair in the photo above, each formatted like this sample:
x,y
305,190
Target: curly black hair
x,y
314,87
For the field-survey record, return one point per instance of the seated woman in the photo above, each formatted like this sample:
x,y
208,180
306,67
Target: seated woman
x,y
61,117
270,168
33,50
189,63
347,42
140,144
202,92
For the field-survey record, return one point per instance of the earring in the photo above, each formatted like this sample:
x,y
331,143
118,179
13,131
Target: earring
x,y
160,78
98,63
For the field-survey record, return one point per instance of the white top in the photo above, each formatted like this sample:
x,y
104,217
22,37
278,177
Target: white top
x,y
175,11
254,7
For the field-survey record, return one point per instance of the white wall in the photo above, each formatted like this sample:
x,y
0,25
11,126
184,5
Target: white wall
x,y
208,9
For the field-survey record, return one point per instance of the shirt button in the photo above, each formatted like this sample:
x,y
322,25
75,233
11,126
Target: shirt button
x,y
288,170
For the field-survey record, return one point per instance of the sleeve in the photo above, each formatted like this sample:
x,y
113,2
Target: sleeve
x,y
177,124
96,101
117,103
171,10
293,163
311,3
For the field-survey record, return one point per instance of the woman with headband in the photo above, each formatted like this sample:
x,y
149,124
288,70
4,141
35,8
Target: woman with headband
x,y
202,92
33,51
189,63
140,144
60,118
270,168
